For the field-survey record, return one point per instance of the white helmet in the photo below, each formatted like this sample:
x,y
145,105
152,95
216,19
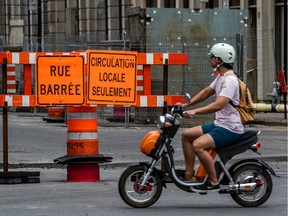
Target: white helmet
x,y
224,51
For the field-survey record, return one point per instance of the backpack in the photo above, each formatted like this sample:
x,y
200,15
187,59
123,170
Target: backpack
x,y
246,106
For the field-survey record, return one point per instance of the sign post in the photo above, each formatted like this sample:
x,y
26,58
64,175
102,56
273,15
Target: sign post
x,y
5,118
60,80
112,77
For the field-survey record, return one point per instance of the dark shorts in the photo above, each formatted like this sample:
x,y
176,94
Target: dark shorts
x,y
220,135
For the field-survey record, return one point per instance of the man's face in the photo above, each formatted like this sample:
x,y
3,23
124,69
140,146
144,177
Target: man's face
x,y
214,61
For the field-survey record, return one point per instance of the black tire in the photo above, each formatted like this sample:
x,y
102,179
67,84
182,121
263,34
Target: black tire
x,y
128,187
260,194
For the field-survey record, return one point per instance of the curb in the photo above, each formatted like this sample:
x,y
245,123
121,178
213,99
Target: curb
x,y
281,158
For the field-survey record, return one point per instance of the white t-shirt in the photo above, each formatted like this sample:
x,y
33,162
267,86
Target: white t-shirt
x,y
228,117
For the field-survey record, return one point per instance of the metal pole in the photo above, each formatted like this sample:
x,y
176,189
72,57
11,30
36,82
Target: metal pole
x,y
29,23
127,116
165,92
285,39
126,109
5,137
5,117
165,84
239,48
184,43
285,55
39,27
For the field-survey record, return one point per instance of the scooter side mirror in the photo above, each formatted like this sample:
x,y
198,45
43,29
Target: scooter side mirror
x,y
187,97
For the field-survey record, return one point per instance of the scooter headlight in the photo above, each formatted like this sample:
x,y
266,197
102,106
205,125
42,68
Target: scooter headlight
x,y
161,122
165,121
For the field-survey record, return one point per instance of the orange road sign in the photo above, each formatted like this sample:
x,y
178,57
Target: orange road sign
x,y
112,77
60,80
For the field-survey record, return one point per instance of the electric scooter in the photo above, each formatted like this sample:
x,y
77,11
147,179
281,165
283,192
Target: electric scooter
x,y
248,181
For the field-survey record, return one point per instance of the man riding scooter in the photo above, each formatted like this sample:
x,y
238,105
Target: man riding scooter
x,y
227,126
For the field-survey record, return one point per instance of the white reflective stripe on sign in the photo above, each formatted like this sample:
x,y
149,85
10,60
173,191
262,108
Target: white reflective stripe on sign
x,y
160,101
165,57
139,77
149,58
84,54
11,91
25,101
11,73
139,67
32,58
8,99
82,136
11,82
93,105
140,88
143,101
15,58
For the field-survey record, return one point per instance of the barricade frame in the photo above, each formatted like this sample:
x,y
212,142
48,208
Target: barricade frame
x,y
28,99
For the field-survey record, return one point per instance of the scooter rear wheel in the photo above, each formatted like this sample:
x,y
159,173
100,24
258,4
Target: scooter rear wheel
x,y
131,192
261,193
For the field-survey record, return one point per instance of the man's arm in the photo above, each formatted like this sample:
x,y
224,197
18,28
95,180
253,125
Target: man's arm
x,y
200,96
210,108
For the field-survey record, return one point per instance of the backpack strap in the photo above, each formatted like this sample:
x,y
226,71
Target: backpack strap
x,y
234,74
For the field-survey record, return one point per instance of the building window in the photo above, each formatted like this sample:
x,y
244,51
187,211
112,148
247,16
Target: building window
x,y
151,3
212,4
234,4
252,3
185,3
169,3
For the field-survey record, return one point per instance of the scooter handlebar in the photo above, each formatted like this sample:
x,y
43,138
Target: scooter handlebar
x,y
177,110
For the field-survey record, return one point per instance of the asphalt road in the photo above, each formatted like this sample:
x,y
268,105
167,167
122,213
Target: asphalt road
x,y
53,196
33,141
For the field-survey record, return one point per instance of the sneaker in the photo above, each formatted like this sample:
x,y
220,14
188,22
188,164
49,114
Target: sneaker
x,y
206,187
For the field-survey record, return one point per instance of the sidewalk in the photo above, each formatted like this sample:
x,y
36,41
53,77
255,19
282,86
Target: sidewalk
x,y
270,119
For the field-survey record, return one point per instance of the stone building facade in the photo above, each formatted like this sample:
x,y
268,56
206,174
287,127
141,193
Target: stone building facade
x,y
40,25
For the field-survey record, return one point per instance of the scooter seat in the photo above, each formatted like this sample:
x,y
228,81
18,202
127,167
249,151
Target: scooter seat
x,y
241,145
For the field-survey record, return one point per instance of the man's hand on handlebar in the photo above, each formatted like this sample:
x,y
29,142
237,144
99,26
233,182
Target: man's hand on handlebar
x,y
189,113
184,105
184,113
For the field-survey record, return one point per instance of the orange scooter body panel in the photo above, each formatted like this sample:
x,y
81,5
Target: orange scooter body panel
x,y
201,172
148,142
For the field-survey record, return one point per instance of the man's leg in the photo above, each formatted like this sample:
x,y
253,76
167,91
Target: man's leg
x,y
201,145
188,136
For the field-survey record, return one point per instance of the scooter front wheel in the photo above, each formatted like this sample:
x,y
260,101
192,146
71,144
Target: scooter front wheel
x,y
252,173
130,190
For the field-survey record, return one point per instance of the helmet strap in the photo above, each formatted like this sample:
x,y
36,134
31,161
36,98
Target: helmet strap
x,y
218,65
